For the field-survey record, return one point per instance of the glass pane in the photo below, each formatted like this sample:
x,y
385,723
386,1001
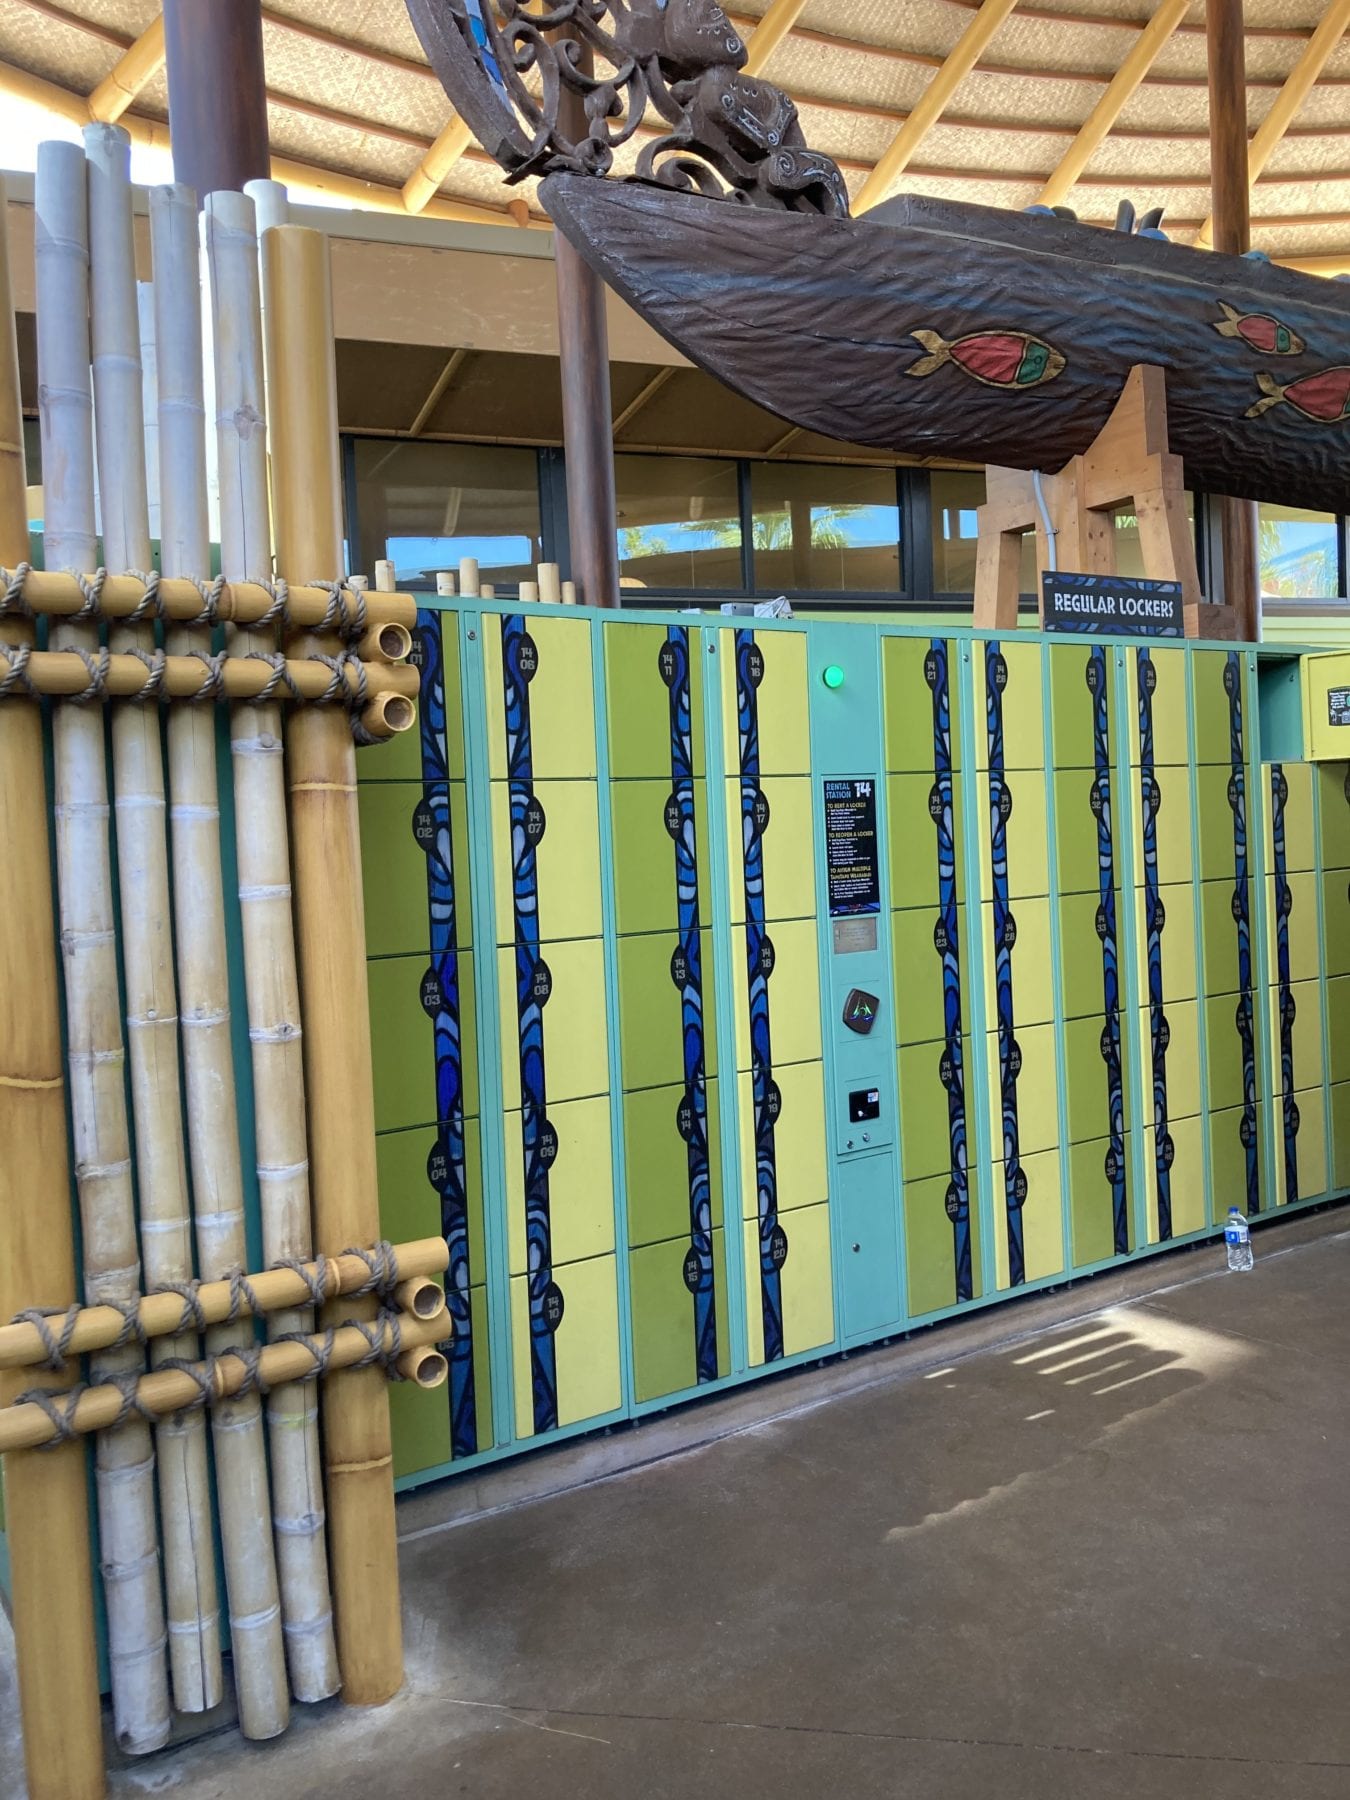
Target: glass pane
x,y
424,506
824,529
1129,556
679,522
956,493
1299,559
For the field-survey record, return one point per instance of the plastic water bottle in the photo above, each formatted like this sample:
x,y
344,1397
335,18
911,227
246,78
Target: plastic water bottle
x,y
1237,1241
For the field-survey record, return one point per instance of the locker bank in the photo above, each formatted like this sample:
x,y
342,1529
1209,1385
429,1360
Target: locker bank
x,y
743,992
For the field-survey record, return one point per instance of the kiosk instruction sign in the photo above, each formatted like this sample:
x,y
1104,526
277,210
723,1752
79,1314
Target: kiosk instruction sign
x,y
851,848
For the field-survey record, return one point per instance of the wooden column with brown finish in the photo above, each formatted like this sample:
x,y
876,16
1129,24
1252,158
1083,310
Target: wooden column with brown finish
x,y
46,1493
1232,234
331,938
217,93
588,410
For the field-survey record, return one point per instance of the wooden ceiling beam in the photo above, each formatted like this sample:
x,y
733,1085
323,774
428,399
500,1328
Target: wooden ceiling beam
x,y
130,75
1143,52
1302,78
441,387
779,18
964,55
649,392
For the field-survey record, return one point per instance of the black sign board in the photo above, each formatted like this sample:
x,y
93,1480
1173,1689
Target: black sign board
x,y
1111,604
1338,706
851,847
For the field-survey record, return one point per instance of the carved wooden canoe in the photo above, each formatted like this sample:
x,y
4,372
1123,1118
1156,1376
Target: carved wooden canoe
x,y
936,328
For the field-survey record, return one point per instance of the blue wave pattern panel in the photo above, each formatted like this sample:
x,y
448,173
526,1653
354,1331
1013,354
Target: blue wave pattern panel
x,y
773,1242
1246,1013
1284,906
520,664
1150,796
687,973
1005,936
1101,801
946,941
441,998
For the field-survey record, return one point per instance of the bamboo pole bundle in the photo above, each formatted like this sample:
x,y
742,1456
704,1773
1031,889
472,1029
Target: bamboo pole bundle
x,y
237,1430
26,1425
46,1501
239,603
124,1459
146,922
159,1315
330,919
272,983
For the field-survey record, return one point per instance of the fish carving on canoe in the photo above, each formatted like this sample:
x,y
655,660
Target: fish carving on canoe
x,y
999,359
1260,330
1324,397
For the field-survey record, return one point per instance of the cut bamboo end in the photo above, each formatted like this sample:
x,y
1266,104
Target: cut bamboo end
x,y
388,715
445,584
426,1368
421,1297
569,593
549,589
529,590
468,577
388,643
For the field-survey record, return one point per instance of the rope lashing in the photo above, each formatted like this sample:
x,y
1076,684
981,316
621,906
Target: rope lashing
x,y
16,680
55,1343
13,600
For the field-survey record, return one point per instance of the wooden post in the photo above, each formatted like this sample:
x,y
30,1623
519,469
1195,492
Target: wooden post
x,y
217,93
46,1495
1230,200
330,928
588,407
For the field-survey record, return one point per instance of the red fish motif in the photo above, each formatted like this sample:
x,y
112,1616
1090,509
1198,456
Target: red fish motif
x,y
1001,359
1259,330
1324,397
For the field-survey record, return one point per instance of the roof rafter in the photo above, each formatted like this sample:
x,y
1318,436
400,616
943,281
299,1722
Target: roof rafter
x,y
1108,109
648,392
1302,78
440,388
440,158
965,53
779,18
130,75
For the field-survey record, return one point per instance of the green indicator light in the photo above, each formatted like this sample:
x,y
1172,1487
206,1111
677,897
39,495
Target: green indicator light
x,y
833,676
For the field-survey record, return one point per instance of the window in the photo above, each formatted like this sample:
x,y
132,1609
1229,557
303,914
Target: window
x,y
824,529
424,506
679,522
1299,553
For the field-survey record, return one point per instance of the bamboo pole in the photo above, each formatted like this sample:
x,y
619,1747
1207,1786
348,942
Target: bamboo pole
x,y
146,927
46,1498
27,1425
358,1451
124,1459
204,982
275,1030
550,584
187,1506
60,595
63,674
159,1315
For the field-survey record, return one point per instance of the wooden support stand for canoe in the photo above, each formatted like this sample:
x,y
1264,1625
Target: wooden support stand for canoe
x,y
1129,464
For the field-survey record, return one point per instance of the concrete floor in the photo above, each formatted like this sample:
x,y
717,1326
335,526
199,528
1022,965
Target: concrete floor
x,y
1087,1548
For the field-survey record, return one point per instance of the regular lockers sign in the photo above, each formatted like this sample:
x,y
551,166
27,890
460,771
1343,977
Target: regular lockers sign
x,y
851,848
1111,604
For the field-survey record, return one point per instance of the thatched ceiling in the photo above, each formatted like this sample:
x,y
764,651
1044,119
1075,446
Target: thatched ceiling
x,y
351,96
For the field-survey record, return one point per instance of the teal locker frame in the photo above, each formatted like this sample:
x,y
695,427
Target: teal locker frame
x,y
858,644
